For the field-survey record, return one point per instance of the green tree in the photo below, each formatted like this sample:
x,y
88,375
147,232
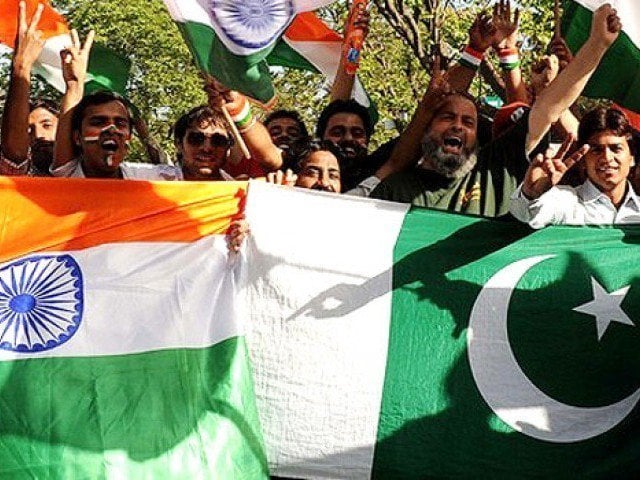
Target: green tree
x,y
164,82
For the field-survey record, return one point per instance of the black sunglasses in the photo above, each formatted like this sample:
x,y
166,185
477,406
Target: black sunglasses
x,y
216,140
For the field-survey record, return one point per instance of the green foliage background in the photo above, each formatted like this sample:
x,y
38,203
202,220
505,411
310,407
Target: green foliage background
x,y
164,82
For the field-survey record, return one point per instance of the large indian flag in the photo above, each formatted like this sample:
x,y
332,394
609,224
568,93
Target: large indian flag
x,y
236,42
397,344
617,75
106,70
121,351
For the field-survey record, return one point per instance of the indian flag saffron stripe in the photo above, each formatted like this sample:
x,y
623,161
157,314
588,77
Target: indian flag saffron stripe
x,y
616,77
123,358
417,344
237,41
83,213
310,41
106,69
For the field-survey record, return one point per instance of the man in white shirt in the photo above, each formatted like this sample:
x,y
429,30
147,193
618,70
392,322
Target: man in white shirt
x,y
606,197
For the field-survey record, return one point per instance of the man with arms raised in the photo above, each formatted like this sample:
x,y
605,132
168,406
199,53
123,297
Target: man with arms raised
x,y
453,174
28,130
606,197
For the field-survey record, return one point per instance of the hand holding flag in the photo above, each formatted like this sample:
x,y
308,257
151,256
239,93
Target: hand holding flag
x,y
606,25
235,108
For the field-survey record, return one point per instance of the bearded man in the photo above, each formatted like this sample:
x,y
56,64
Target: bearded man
x,y
453,174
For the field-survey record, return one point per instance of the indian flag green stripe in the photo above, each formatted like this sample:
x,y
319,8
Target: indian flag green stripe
x,y
248,74
180,413
284,55
616,77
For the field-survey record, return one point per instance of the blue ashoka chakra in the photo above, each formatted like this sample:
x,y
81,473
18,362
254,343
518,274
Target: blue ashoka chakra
x,y
252,23
41,303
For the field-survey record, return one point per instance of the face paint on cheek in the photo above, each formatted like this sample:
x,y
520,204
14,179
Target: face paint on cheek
x,y
100,136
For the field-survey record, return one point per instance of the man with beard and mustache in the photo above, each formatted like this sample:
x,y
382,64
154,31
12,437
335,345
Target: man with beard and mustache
x,y
28,130
452,173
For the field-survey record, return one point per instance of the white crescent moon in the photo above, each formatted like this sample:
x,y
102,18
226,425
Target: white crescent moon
x,y
505,387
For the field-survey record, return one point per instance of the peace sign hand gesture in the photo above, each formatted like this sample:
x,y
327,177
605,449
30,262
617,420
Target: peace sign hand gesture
x,y
29,40
75,59
547,170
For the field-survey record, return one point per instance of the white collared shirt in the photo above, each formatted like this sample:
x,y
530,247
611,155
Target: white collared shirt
x,y
133,171
583,205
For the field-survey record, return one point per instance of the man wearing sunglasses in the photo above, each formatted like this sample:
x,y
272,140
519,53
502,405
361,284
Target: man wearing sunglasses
x,y
202,144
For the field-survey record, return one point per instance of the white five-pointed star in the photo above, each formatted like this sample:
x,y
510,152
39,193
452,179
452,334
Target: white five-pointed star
x,y
606,307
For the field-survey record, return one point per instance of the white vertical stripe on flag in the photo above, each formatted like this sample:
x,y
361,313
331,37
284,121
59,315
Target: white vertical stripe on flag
x,y
318,340
325,56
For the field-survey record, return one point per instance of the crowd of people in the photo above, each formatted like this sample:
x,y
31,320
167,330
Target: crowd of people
x,y
440,160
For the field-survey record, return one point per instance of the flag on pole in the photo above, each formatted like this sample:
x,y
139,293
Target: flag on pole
x,y
106,70
417,344
616,77
309,44
236,42
121,351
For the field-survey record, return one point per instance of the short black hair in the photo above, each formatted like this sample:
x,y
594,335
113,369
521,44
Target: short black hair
x,y
197,115
45,103
97,98
601,119
302,149
344,106
292,114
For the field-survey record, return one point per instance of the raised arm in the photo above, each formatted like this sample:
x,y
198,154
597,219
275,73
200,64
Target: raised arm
x,y
407,151
254,133
75,60
507,51
343,82
529,203
482,34
568,86
15,120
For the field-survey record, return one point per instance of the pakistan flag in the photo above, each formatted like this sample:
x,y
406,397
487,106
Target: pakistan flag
x,y
414,344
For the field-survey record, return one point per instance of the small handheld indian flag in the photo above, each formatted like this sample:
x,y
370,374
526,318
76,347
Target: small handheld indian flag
x,y
107,69
121,353
236,42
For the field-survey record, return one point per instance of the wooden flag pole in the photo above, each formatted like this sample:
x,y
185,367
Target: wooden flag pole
x,y
236,133
211,82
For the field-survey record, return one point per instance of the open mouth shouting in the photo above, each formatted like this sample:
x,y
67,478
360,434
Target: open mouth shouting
x,y
452,144
109,144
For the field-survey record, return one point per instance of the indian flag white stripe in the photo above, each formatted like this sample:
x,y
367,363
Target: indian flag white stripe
x,y
301,336
628,11
138,297
237,22
325,56
48,64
